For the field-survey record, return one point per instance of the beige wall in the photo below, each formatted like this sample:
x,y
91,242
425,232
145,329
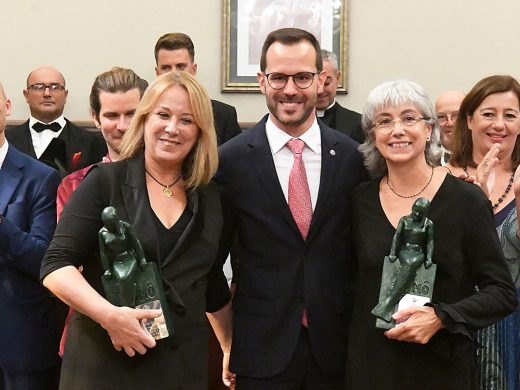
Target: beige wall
x,y
442,44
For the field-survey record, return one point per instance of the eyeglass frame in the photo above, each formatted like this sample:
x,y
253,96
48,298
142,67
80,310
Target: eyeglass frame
x,y
393,122
443,118
53,87
287,79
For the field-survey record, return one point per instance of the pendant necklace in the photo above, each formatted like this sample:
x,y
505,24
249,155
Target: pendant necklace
x,y
503,196
167,191
409,196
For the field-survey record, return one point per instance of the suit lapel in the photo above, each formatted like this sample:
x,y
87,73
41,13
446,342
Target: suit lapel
x,y
10,176
138,208
262,162
23,141
329,166
73,142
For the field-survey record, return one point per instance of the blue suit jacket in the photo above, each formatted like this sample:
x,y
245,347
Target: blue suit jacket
x,y
280,274
29,327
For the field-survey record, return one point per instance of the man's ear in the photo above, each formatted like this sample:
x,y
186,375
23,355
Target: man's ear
x,y
26,94
7,106
95,119
261,81
321,77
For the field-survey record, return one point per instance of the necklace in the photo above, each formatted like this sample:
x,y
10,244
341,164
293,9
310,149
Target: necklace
x,y
167,191
503,196
410,196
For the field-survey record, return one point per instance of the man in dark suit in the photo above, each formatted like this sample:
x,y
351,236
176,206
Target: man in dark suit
x,y
286,187
47,135
329,110
30,330
175,51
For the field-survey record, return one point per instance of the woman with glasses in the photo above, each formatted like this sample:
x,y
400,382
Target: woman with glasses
x,y
486,148
432,346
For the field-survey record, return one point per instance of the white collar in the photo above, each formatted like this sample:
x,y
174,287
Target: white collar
x,y
3,152
60,120
278,138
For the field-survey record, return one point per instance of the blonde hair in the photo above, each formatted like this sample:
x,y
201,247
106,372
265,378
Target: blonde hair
x,y
201,163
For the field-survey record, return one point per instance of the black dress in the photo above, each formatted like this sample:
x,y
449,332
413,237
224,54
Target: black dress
x,y
468,254
185,255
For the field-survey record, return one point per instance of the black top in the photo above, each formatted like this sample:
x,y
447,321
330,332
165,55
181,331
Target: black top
x,y
179,362
468,254
167,238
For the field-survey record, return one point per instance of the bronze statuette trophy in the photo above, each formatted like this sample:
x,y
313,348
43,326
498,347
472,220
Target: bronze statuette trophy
x,y
407,278
128,279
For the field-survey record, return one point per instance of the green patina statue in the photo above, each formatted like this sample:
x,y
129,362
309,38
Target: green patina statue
x,y
414,272
129,280
121,255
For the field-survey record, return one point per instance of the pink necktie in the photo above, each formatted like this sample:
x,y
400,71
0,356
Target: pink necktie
x,y
299,195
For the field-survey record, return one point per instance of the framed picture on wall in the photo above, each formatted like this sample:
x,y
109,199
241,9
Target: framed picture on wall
x,y
246,23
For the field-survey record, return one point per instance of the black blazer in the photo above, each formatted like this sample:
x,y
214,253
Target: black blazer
x,y
279,273
177,362
345,121
226,123
76,139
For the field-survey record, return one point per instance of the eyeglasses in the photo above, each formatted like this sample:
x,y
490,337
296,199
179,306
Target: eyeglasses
x,y
386,125
41,87
302,80
443,118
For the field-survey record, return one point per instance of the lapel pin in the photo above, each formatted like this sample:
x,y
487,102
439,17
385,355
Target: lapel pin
x,y
332,152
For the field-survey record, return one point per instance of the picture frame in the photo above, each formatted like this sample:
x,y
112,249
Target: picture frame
x,y
246,23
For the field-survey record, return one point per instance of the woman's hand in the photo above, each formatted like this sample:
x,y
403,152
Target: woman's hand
x,y
516,182
123,325
227,376
415,324
485,176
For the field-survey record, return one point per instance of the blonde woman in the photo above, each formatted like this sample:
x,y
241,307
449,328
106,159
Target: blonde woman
x,y
162,187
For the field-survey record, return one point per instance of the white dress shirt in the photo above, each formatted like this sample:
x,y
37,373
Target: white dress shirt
x,y
42,139
3,153
284,158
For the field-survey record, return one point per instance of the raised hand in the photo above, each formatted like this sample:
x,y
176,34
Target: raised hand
x,y
485,176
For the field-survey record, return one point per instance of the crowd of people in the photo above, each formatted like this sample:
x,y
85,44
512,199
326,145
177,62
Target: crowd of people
x,y
311,203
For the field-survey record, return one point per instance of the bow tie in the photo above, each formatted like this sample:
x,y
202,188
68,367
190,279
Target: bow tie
x,y
39,127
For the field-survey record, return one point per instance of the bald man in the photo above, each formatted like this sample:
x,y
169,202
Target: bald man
x,y
29,323
47,135
447,108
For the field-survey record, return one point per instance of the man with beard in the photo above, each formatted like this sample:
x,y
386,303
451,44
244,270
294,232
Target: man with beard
x,y
286,187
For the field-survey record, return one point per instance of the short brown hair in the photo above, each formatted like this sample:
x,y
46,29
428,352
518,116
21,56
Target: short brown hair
x,y
290,36
112,81
462,149
201,163
175,41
